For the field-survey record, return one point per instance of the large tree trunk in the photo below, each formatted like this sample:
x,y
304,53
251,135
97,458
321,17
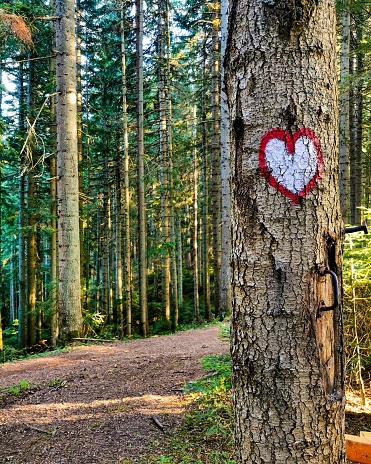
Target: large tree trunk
x,y
69,301
287,356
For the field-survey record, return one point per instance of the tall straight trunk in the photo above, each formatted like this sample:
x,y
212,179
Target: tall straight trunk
x,y
31,217
22,304
164,165
169,122
142,224
69,301
357,212
205,199
179,259
225,284
195,221
84,261
53,294
39,313
12,300
215,157
287,352
105,237
31,258
352,138
344,115
126,186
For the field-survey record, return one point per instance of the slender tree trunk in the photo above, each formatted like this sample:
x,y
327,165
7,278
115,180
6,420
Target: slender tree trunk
x,y
53,295
12,303
164,164
69,301
287,354
225,284
31,218
195,222
179,261
127,236
84,260
31,258
215,156
344,116
142,225
357,212
105,239
22,308
205,201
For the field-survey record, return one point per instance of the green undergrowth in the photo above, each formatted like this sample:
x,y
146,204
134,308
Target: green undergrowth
x,y
206,435
19,389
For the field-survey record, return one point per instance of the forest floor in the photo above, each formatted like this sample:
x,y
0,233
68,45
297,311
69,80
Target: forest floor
x,y
100,403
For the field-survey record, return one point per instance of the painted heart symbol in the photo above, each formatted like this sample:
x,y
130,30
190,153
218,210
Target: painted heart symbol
x,y
291,163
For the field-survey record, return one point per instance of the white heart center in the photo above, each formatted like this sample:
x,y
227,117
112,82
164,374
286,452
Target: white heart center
x,y
292,170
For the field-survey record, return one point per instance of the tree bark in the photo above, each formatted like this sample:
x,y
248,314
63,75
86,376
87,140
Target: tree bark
x,y
53,295
344,116
225,282
142,223
195,221
164,164
69,301
127,235
215,156
205,200
22,302
287,356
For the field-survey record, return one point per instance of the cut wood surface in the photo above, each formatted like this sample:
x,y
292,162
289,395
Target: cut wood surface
x,y
358,449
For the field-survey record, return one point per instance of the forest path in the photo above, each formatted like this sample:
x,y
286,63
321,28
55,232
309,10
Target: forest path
x,y
95,404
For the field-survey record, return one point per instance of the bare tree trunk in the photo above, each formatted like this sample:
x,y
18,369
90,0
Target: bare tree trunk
x,y
53,295
357,212
179,260
164,165
215,156
105,239
127,255
195,222
287,230
344,116
69,301
225,283
31,217
205,201
142,224
22,308
84,260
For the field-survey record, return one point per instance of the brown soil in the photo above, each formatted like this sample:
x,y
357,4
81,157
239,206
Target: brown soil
x,y
97,404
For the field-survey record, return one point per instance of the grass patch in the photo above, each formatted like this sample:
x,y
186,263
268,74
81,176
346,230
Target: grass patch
x,y
206,435
18,389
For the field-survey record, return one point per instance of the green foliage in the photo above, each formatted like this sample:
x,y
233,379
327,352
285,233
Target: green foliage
x,y
17,389
357,301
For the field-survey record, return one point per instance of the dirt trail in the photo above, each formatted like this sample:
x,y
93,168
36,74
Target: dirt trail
x,y
100,401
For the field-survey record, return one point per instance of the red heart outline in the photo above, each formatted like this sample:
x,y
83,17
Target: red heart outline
x,y
290,140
